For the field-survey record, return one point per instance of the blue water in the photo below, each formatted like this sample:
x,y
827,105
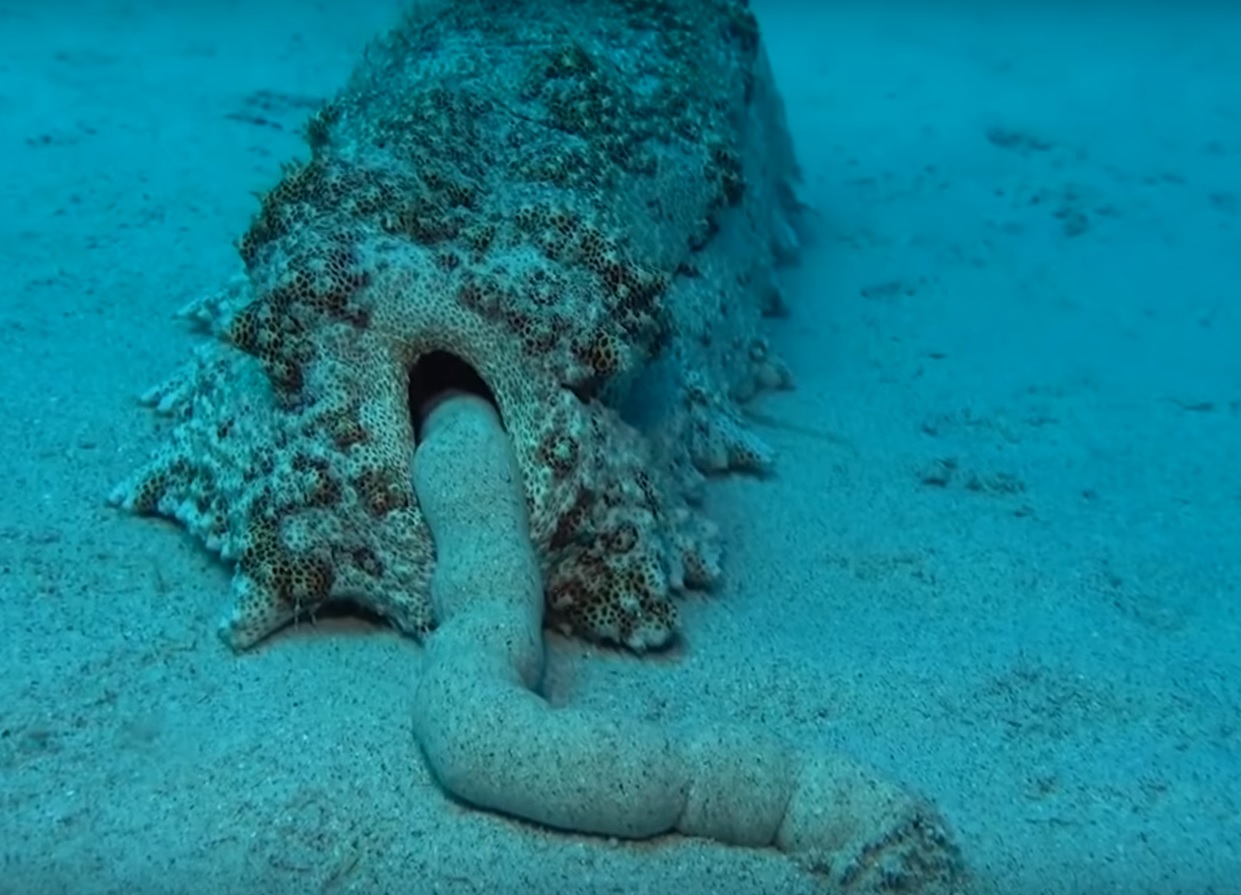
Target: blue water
x,y
997,560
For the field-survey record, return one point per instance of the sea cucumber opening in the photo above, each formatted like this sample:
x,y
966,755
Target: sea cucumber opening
x,y
436,376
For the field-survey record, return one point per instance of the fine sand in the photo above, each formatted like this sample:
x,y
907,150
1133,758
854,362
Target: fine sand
x,y
998,559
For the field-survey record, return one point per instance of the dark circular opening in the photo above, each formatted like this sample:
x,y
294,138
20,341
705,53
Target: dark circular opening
x,y
435,374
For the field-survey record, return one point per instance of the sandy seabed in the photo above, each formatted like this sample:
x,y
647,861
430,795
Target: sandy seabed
x,y
999,559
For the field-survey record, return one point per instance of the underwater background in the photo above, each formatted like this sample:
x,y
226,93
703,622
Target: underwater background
x,y
997,559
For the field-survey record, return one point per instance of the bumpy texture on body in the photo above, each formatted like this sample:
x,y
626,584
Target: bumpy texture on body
x,y
576,208
493,741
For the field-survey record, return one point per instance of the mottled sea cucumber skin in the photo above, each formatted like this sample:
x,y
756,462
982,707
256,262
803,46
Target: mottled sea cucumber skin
x,y
576,208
